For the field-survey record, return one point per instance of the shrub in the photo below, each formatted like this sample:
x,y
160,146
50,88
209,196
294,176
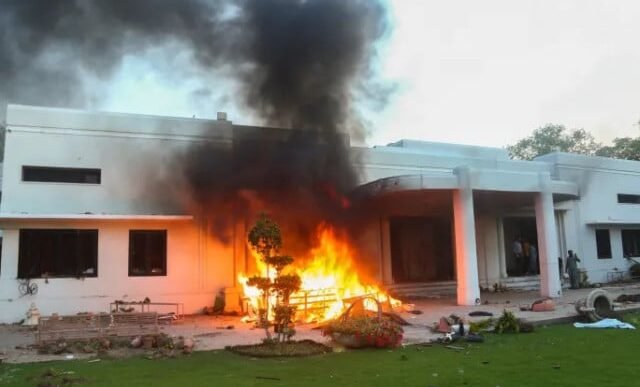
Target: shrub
x,y
367,331
507,323
482,325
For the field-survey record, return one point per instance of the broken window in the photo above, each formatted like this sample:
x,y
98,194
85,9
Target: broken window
x,y
631,243
603,243
61,175
57,253
147,253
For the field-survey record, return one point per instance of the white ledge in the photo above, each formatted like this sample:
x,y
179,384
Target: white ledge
x,y
613,222
87,217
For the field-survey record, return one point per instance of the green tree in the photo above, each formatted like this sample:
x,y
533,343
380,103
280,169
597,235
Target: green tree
x,y
265,238
554,138
627,148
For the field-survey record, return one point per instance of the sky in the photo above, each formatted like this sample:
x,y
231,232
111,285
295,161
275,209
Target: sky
x,y
464,71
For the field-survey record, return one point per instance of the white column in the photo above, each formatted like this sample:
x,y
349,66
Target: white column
x,y
385,253
502,256
547,240
468,288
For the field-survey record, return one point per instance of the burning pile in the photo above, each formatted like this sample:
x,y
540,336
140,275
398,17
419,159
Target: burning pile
x,y
329,280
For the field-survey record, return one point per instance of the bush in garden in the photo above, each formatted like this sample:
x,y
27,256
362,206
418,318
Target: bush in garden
x,y
367,331
507,323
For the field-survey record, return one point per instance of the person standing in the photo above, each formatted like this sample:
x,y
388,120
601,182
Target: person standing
x,y
572,269
526,256
517,252
533,260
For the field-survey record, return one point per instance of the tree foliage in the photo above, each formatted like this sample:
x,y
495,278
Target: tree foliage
x,y
554,138
627,148
265,238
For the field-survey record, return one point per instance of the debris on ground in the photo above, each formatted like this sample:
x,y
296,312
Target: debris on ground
x,y
480,313
596,306
541,305
444,326
396,318
168,317
136,342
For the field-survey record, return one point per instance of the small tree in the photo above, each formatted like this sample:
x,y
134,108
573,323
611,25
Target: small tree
x,y
265,238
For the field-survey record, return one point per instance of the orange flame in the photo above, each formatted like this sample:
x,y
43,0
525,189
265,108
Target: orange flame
x,y
329,280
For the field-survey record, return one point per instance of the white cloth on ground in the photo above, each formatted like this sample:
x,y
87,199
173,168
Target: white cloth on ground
x,y
606,323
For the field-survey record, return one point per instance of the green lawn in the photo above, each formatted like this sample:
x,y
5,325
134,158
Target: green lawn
x,y
552,356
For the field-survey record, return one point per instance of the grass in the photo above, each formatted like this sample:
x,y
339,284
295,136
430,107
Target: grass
x,y
552,356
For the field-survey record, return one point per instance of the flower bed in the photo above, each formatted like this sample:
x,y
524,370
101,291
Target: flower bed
x,y
365,331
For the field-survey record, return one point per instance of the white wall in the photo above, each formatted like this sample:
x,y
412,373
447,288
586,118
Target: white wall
x,y
197,268
600,180
134,154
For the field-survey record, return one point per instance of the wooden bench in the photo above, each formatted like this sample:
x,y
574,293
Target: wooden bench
x,y
84,327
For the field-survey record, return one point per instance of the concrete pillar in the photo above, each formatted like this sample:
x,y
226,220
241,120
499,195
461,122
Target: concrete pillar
x,y
547,239
385,246
468,288
502,256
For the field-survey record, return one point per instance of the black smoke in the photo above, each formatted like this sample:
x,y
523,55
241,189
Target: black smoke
x,y
299,66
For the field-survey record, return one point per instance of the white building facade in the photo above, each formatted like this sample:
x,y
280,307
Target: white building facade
x,y
83,220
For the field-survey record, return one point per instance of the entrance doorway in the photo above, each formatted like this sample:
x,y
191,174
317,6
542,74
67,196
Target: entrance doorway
x,y
421,249
522,229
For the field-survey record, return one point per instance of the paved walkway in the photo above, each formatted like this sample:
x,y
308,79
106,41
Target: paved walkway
x,y
210,332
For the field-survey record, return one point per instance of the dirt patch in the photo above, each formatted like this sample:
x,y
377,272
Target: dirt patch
x,y
287,349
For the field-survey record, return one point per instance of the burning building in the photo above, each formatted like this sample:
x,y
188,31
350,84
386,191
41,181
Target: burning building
x,y
98,207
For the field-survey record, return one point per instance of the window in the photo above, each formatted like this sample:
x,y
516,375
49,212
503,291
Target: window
x,y
58,253
628,199
147,253
61,175
631,243
603,243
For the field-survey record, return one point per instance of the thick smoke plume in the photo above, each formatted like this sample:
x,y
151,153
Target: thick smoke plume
x,y
298,65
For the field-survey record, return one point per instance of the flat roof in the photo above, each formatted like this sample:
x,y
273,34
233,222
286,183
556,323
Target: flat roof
x,y
4,217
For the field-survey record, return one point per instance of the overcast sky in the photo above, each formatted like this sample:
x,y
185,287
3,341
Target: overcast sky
x,y
469,71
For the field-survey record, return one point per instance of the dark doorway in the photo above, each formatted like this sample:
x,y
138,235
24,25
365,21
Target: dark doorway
x,y
421,249
522,229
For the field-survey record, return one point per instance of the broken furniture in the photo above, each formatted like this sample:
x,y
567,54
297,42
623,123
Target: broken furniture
x,y
596,306
145,307
91,326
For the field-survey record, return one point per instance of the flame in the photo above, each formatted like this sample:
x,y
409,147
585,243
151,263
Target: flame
x,y
329,280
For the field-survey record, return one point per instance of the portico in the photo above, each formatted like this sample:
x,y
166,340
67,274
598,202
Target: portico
x,y
477,201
